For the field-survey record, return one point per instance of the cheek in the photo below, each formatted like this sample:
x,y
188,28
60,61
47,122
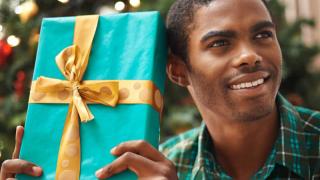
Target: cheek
x,y
276,60
209,65
272,56
207,79
276,53
280,58
210,71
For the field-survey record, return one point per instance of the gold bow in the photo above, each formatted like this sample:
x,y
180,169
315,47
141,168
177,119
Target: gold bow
x,y
69,65
72,62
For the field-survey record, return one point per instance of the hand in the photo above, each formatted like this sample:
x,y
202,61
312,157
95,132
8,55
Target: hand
x,y
141,158
18,166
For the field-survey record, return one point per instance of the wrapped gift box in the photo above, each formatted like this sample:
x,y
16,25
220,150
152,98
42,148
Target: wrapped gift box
x,y
128,47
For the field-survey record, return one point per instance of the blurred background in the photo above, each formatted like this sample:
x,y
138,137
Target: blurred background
x,y
298,26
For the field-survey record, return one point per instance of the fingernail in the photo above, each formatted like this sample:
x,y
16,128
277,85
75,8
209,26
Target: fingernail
x,y
18,127
113,150
36,170
98,173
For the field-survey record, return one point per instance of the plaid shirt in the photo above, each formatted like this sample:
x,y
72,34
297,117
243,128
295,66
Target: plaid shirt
x,y
295,154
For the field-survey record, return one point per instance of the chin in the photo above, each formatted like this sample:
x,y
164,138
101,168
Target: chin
x,y
255,110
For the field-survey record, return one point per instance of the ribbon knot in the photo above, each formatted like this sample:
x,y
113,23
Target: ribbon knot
x,y
73,73
75,86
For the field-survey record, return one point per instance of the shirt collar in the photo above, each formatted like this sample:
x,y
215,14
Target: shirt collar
x,y
291,144
289,147
205,160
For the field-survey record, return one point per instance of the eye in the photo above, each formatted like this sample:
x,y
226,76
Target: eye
x,y
264,35
219,43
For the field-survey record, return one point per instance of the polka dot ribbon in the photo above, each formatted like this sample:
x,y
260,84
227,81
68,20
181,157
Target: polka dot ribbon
x,y
72,62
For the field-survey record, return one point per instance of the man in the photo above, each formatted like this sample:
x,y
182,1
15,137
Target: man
x,y
226,53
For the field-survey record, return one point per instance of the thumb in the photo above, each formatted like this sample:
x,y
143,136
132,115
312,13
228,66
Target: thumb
x,y
19,135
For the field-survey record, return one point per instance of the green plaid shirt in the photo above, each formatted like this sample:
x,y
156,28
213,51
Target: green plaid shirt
x,y
295,154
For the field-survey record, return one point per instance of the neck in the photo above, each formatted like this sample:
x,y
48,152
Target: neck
x,y
242,148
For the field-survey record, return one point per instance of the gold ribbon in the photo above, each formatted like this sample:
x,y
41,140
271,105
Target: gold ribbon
x,y
72,62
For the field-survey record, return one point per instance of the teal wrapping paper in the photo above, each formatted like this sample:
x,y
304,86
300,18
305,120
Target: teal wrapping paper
x,y
129,46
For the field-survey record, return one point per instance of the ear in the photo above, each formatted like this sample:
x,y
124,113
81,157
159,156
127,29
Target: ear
x,y
177,70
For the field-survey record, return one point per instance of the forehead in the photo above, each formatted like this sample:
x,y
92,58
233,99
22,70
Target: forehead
x,y
222,14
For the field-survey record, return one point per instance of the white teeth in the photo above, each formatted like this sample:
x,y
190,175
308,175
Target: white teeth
x,y
254,83
248,84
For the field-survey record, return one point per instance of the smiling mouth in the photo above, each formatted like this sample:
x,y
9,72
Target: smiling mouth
x,y
249,81
247,85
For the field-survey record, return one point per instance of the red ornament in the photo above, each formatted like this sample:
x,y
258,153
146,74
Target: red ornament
x,y
5,52
21,76
19,84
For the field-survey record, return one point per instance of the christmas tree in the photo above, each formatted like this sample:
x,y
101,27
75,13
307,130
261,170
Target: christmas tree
x,y
19,31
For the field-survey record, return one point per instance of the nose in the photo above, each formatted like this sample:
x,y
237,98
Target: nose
x,y
247,57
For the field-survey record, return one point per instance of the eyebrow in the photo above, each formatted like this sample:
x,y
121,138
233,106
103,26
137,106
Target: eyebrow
x,y
211,34
262,24
229,34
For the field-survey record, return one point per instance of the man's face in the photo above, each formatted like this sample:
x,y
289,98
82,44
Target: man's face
x,y
235,59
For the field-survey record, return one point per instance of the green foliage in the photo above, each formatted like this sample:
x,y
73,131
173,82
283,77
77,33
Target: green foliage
x,y
12,107
299,81
159,5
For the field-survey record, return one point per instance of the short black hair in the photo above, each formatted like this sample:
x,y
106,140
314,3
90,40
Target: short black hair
x,y
179,24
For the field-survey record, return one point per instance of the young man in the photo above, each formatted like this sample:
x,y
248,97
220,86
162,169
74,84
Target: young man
x,y
226,53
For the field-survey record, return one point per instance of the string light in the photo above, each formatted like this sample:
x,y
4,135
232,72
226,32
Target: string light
x,y
63,1
106,10
1,32
119,6
27,6
134,3
13,41
18,10
27,10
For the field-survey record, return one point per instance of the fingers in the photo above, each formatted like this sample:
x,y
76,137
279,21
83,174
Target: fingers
x,y
19,135
138,147
128,160
141,158
18,166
